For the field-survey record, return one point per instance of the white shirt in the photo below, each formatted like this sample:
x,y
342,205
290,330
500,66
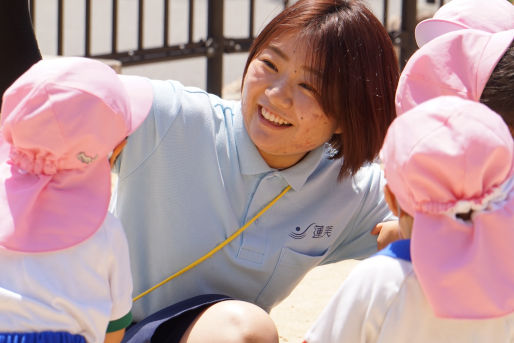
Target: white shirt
x,y
77,290
381,301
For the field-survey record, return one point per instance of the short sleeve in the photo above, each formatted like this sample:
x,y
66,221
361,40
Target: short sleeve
x,y
170,98
373,210
358,309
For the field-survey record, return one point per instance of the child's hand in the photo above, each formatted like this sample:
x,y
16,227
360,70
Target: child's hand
x,y
387,232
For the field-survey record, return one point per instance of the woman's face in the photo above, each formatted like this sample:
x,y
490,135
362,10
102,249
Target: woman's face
x,y
281,114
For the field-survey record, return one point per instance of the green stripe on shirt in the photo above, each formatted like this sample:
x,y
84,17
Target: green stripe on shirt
x,y
118,324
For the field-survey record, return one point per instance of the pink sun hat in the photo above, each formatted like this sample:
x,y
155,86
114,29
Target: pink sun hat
x,y
485,15
450,156
459,63
60,120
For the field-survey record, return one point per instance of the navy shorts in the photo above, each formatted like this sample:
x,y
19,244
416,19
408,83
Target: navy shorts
x,y
169,324
40,337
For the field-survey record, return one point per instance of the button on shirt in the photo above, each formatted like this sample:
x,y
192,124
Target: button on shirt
x,y
190,176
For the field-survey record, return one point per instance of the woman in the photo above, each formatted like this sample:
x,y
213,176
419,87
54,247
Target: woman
x,y
317,98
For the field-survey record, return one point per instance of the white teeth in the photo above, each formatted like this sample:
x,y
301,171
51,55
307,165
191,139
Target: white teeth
x,y
273,118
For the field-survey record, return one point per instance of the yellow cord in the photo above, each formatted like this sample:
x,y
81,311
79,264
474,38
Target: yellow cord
x,y
116,152
217,248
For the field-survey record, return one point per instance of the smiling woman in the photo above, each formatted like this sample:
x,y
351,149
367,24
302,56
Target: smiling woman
x,y
280,105
317,97
346,66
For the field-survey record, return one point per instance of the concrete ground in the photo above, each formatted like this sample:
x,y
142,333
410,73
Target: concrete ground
x,y
296,313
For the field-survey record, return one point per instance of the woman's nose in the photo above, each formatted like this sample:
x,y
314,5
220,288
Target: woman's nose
x,y
279,93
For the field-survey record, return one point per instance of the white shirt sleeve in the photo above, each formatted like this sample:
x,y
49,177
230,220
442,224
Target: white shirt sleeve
x,y
358,309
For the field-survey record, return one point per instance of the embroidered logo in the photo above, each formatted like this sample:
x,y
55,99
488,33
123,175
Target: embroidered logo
x,y
82,157
317,231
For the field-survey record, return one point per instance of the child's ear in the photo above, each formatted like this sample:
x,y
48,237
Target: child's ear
x,y
391,200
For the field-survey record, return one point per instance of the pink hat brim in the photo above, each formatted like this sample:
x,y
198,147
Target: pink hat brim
x,y
458,63
429,29
140,92
30,204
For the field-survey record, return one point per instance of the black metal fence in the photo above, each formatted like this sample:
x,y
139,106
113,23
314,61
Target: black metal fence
x,y
216,44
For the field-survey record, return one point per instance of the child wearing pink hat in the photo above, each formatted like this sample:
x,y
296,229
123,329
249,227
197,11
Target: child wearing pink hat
x,y
65,264
451,183
471,64
489,16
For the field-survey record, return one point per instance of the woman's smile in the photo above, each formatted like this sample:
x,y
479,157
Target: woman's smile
x,y
272,118
280,107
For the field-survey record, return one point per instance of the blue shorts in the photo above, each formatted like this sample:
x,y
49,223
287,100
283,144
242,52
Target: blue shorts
x,y
169,324
40,337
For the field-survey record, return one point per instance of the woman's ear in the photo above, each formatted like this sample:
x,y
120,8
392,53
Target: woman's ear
x,y
391,200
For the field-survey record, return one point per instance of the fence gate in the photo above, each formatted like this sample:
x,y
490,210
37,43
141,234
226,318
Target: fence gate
x,y
215,45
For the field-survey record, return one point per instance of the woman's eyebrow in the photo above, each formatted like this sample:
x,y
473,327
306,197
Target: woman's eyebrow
x,y
283,55
279,52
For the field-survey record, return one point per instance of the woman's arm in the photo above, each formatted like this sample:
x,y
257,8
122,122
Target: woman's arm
x,y
17,42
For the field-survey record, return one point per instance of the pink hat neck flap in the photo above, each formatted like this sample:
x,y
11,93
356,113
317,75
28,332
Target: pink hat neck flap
x,y
485,15
443,159
458,63
60,120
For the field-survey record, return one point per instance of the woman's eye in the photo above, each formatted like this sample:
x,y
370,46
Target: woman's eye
x,y
269,64
308,87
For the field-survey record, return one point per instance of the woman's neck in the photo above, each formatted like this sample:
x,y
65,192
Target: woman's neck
x,y
281,161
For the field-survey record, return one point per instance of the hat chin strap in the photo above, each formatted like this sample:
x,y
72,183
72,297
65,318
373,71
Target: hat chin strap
x,y
492,201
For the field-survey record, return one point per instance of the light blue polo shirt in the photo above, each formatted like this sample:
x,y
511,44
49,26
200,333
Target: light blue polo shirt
x,y
190,176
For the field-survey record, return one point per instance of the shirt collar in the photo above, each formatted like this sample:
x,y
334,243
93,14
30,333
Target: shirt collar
x,y
252,163
398,249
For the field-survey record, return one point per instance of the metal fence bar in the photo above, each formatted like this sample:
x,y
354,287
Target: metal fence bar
x,y
215,46
408,24
114,27
87,38
140,24
386,12
166,19
60,20
251,23
191,21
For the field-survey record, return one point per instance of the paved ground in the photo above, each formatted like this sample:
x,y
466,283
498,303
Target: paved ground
x,y
297,312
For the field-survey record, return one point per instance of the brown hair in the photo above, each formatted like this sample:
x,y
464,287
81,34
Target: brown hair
x,y
498,93
359,71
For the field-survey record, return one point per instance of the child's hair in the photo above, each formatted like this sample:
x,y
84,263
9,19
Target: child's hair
x,y
498,92
60,120
472,64
359,71
450,164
